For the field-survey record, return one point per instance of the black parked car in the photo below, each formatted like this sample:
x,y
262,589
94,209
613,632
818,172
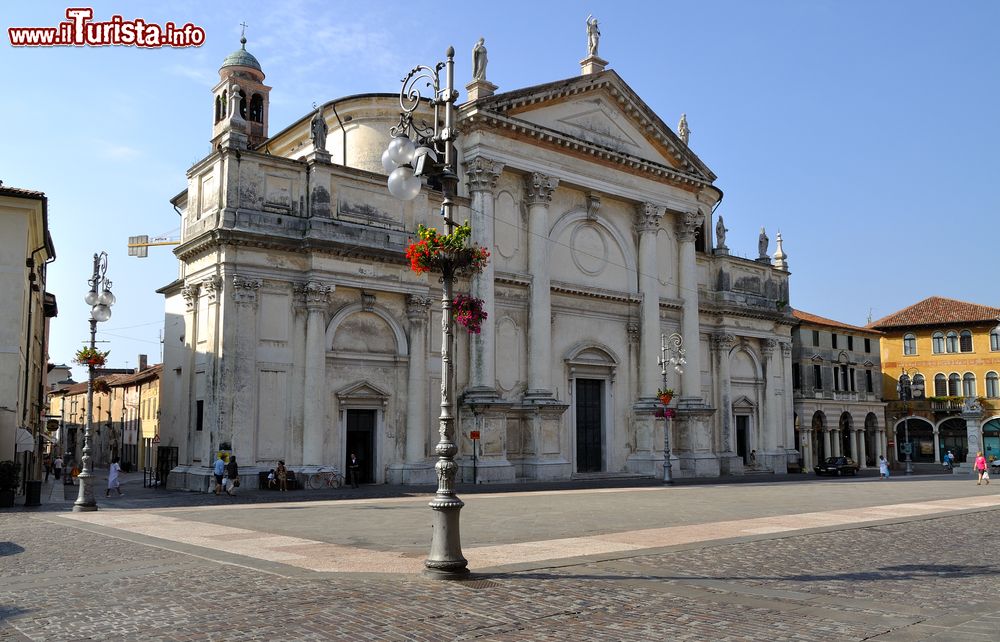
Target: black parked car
x,y
837,466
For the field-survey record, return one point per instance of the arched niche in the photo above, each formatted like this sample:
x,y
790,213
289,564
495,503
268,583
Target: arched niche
x,y
374,331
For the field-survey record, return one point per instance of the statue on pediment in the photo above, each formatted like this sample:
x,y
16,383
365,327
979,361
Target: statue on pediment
x,y
762,242
720,234
318,130
682,129
479,60
593,35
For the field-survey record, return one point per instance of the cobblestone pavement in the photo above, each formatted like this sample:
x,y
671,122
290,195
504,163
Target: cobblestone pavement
x,y
928,577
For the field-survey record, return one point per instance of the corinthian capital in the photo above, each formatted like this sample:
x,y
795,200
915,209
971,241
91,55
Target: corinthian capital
x,y
482,174
213,288
417,306
245,289
767,347
316,294
190,294
538,188
723,342
647,217
688,226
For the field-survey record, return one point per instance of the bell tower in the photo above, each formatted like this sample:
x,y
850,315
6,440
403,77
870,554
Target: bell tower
x,y
240,89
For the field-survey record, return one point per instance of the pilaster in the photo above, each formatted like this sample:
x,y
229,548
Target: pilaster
x,y
647,223
314,415
537,195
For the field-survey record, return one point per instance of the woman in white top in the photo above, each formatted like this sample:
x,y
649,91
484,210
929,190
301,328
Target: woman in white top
x,y
883,468
113,472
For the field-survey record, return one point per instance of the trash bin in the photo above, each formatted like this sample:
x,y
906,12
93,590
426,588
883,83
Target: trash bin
x,y
33,493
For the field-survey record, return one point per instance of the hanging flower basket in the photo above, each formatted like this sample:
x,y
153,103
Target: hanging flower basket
x,y
468,312
433,250
91,357
101,385
665,395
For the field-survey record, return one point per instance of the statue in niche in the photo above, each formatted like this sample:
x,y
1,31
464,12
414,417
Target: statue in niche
x,y
682,129
762,244
318,130
479,60
593,35
720,234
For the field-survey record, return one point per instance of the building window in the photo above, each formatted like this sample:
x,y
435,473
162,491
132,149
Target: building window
x,y
869,384
937,342
796,383
909,344
992,385
818,377
952,342
995,339
868,346
851,379
969,385
816,338
953,384
850,343
940,385
833,340
200,416
965,341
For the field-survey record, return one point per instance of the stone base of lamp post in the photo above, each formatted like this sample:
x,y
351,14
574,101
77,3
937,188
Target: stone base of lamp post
x,y
85,501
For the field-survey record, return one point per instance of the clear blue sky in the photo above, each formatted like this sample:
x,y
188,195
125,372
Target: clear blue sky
x,y
866,131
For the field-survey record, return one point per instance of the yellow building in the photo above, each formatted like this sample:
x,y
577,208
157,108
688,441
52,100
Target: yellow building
x,y
950,350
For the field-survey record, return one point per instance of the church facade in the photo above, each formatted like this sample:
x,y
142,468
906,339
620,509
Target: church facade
x,y
296,330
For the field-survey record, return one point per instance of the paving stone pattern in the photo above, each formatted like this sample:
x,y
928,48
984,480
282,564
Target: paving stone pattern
x,y
932,578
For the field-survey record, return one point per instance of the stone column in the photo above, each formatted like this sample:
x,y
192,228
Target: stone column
x,y
862,448
314,408
537,195
244,391
788,399
722,344
688,226
827,449
482,175
212,287
770,421
852,435
805,442
937,446
972,413
838,442
416,388
195,446
647,223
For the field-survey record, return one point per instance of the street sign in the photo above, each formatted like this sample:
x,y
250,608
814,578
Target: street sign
x,y
474,434
156,439
892,443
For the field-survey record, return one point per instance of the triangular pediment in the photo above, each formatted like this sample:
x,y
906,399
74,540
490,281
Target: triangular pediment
x,y
594,112
362,390
744,403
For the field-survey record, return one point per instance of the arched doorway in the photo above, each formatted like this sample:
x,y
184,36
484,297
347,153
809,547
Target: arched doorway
x,y
872,439
952,435
820,438
921,434
847,447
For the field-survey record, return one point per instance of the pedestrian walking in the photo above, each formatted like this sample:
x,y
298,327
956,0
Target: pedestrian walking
x,y
883,468
232,475
981,470
57,466
218,471
114,472
353,468
949,460
47,464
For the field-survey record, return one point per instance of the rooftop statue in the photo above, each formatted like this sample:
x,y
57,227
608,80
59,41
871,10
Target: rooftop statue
x,y
593,35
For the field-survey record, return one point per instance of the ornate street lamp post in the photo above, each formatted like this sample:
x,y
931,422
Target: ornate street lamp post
x,y
904,389
100,299
407,160
671,353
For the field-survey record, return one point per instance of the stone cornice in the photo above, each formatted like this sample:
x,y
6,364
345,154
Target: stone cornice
x,y
595,293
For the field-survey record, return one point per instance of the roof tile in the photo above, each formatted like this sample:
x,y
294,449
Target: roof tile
x,y
937,310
